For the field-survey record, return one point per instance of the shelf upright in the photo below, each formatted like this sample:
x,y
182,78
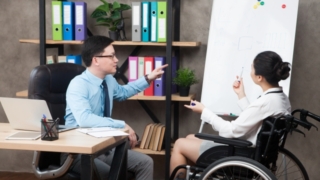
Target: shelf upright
x,y
168,89
42,31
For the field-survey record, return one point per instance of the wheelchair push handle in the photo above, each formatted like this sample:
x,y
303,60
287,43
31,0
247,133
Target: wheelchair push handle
x,y
304,114
304,124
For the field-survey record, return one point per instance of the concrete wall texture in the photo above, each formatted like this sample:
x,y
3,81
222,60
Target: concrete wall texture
x,y
20,20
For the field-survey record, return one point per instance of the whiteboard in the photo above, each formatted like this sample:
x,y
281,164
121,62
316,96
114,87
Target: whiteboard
x,y
239,30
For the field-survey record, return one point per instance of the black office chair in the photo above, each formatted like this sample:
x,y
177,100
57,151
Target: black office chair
x,y
238,160
50,83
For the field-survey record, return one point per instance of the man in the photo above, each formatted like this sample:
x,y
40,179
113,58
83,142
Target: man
x,y
86,97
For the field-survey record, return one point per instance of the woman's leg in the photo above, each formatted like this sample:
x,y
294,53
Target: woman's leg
x,y
184,148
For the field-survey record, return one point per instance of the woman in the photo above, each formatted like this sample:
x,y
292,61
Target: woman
x,y
266,71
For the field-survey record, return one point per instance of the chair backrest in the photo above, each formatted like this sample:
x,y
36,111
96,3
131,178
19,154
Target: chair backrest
x,y
50,82
271,134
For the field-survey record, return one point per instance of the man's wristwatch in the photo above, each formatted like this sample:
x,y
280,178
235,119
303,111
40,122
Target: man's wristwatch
x,y
147,79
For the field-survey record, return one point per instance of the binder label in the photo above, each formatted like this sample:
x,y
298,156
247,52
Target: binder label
x,y
145,15
56,17
148,67
153,27
136,19
158,64
133,70
162,28
79,15
67,14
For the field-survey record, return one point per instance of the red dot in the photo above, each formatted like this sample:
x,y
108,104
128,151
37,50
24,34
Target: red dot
x,y
284,6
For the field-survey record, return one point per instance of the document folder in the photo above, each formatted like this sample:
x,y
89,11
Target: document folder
x,y
159,83
68,20
136,18
148,67
81,21
154,20
133,68
75,59
56,20
141,71
162,21
145,21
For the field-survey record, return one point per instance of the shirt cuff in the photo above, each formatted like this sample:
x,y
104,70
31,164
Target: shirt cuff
x,y
213,119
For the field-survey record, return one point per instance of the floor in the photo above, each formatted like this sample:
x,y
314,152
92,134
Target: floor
x,y
17,176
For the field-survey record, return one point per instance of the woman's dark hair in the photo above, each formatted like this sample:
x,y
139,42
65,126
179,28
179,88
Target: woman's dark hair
x,y
270,65
94,46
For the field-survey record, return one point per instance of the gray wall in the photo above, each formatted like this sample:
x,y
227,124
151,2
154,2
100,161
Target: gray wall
x,y
19,20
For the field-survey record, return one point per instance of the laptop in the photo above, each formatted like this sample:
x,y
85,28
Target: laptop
x,y
26,114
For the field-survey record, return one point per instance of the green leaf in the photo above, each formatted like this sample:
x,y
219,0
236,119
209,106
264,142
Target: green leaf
x,y
116,5
104,2
116,15
125,7
98,13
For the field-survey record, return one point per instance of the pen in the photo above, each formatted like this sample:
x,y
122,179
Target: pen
x,y
193,104
240,74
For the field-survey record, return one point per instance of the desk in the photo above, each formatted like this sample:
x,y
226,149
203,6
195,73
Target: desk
x,y
73,142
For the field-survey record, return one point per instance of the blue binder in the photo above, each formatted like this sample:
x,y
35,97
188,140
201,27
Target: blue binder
x,y
159,83
154,22
68,20
76,59
145,9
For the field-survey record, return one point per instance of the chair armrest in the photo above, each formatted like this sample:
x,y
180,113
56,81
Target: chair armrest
x,y
222,140
50,173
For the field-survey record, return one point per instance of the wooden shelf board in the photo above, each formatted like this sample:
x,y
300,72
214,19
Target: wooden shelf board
x,y
148,151
117,43
175,97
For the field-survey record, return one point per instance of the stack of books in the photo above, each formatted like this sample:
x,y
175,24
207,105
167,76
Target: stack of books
x,y
153,136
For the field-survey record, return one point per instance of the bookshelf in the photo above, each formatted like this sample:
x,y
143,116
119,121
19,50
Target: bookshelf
x,y
115,43
172,45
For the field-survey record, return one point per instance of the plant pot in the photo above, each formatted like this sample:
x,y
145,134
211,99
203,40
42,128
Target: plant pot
x,y
184,91
114,35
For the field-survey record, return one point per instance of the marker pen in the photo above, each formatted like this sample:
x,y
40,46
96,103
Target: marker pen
x,y
240,75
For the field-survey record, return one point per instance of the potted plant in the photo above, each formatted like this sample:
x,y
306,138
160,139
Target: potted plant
x,y
184,79
110,15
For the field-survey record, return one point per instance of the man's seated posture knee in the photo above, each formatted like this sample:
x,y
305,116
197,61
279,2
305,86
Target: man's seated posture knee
x,y
90,99
266,71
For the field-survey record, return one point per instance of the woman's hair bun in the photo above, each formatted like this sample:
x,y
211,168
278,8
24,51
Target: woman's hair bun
x,y
283,70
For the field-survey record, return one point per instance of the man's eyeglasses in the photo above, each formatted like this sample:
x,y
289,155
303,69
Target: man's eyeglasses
x,y
107,56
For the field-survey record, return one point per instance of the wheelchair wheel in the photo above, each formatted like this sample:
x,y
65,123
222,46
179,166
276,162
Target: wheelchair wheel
x,y
237,168
289,167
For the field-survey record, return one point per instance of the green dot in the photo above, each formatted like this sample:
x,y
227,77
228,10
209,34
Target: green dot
x,y
262,3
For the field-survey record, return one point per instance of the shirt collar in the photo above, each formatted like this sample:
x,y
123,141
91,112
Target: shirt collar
x,y
272,89
93,79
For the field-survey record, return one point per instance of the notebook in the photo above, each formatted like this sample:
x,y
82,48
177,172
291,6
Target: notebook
x,y
30,135
25,114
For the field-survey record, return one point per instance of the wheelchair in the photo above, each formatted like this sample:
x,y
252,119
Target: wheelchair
x,y
269,160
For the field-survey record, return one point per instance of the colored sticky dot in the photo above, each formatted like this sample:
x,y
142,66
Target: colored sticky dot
x,y
255,6
262,3
258,3
259,0
283,6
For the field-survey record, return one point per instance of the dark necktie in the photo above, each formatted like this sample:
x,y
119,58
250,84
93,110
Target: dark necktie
x,y
106,112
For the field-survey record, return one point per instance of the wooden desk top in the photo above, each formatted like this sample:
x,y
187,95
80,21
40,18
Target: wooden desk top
x,y
70,141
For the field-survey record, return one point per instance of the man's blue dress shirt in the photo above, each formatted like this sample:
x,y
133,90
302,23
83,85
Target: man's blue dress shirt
x,y
85,99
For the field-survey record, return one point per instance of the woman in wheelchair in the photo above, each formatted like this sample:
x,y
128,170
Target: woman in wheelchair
x,y
267,70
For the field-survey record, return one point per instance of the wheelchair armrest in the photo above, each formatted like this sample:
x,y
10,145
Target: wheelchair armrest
x,y
222,140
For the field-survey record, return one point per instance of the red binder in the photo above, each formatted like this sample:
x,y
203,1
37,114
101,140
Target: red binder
x,y
148,68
